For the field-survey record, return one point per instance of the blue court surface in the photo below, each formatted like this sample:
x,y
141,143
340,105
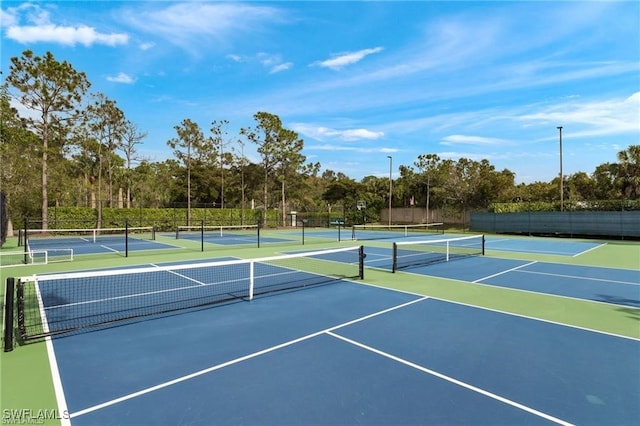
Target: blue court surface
x,y
347,353
540,246
607,285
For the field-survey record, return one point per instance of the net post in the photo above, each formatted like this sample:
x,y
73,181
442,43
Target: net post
x,y
251,279
394,256
448,250
353,233
361,256
303,231
8,314
153,232
339,226
202,235
126,238
177,232
483,241
26,240
259,226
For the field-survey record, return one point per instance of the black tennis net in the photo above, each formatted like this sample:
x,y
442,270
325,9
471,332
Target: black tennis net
x,y
40,238
378,231
222,231
61,303
408,254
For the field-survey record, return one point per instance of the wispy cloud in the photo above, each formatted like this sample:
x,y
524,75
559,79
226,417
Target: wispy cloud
x,y
272,62
281,67
347,135
146,46
342,60
191,25
351,148
40,29
121,78
472,140
590,118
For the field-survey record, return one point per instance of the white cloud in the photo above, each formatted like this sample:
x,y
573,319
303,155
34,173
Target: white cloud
x,y
69,36
121,78
281,67
348,135
351,148
42,30
471,140
190,25
272,62
358,134
146,46
8,17
235,58
590,118
349,58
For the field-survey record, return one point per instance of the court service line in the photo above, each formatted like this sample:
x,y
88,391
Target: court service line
x,y
581,278
237,360
109,248
452,380
587,251
504,272
186,277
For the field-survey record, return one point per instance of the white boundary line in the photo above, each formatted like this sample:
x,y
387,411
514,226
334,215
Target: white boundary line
x,y
587,251
504,272
452,380
61,401
580,278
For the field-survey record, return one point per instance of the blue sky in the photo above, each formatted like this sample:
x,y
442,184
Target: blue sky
x,y
361,81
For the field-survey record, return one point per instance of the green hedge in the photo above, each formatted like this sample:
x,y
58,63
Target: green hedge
x,y
163,219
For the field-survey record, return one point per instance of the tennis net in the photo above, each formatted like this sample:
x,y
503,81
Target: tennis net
x,y
35,257
377,231
43,237
205,231
416,253
61,303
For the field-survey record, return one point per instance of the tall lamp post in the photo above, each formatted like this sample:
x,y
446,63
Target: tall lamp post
x,y
390,185
561,176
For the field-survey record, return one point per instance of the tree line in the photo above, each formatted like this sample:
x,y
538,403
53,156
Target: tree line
x,y
78,148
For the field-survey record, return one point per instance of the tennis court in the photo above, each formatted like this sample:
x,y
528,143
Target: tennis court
x,y
607,285
316,357
320,345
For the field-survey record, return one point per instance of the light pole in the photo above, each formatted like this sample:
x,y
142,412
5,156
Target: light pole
x,y
390,185
561,177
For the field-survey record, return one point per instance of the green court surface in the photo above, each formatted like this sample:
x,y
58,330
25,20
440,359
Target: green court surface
x,y
26,381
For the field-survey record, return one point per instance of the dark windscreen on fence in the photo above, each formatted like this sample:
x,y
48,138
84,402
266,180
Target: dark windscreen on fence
x,y
620,224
